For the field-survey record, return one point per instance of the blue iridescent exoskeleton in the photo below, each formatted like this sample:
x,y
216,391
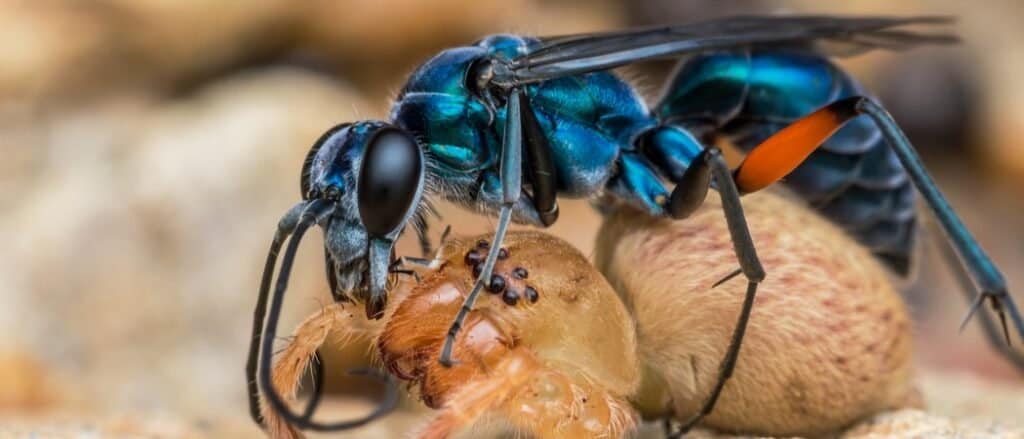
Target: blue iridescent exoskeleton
x,y
508,125
594,124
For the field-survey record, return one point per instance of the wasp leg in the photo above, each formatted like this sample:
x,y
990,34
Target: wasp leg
x,y
783,151
981,267
403,261
750,265
992,331
692,187
511,187
541,167
396,267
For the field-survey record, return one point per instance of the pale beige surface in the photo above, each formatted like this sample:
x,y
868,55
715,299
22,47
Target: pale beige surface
x,y
829,338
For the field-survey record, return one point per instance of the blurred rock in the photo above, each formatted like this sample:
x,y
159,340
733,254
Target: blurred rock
x,y
150,42
142,236
37,55
379,46
25,385
176,45
943,83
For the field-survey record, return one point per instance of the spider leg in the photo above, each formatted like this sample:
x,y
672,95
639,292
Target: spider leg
x,y
318,387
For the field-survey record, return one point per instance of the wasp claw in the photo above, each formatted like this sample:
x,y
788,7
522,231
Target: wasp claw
x,y
970,312
1006,330
445,234
998,308
727,277
412,273
448,362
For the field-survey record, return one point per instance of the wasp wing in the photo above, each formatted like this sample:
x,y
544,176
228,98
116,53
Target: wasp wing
x,y
576,54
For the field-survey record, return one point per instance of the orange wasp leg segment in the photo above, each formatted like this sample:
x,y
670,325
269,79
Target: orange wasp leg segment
x,y
781,153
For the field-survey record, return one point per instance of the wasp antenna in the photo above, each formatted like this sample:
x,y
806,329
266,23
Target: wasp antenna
x,y
313,214
286,225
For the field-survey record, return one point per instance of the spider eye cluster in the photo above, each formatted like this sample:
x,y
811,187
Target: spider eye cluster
x,y
390,178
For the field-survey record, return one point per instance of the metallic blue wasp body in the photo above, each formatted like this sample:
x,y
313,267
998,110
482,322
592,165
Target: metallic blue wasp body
x,y
592,122
510,124
603,137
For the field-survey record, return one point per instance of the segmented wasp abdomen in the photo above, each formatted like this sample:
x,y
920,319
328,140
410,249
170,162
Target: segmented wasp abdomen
x,y
854,178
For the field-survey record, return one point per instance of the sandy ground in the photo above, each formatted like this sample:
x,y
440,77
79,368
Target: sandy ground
x,y
959,406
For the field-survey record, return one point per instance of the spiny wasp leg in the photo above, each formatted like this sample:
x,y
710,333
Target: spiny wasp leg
x,y
978,264
966,286
511,188
751,268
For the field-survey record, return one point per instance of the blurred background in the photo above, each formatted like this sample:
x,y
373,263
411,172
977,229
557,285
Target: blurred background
x,y
148,148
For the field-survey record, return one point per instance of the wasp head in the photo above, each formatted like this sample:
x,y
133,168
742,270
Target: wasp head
x,y
372,174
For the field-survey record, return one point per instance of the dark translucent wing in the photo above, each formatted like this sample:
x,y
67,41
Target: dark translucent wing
x,y
575,54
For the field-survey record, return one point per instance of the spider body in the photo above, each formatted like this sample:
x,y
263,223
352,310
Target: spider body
x,y
829,340
828,343
553,377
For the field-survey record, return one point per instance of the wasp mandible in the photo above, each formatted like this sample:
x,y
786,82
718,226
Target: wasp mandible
x,y
511,123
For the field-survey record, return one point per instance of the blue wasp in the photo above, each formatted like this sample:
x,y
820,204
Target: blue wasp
x,y
507,125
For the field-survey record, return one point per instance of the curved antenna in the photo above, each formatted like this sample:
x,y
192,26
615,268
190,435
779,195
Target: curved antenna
x,y
284,228
317,210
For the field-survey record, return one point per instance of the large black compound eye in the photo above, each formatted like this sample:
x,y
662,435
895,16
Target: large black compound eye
x,y
389,180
